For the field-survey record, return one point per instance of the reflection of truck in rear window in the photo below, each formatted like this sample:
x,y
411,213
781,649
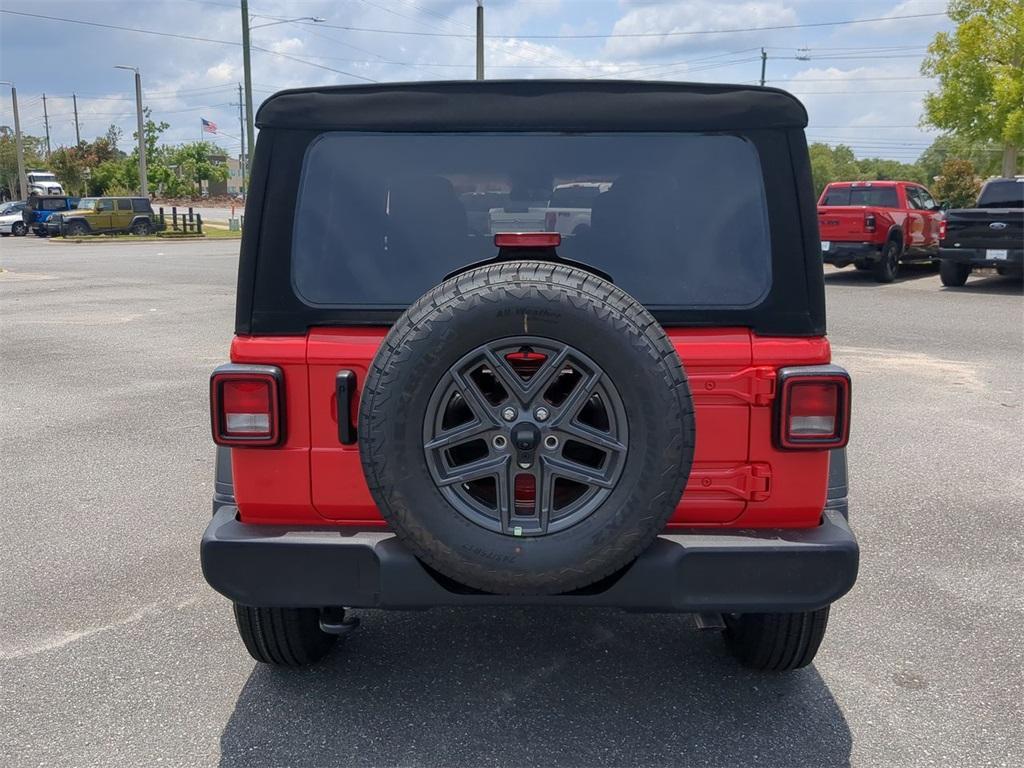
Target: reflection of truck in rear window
x,y
567,211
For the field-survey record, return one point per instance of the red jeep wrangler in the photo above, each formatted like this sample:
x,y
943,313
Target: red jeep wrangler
x,y
642,415
878,225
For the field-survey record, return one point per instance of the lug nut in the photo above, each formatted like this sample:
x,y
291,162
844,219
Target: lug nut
x,y
499,442
551,442
541,414
509,414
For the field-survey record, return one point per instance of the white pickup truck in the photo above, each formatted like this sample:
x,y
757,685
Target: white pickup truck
x,y
567,211
43,183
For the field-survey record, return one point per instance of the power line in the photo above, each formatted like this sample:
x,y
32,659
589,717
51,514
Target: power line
x,y
608,35
175,35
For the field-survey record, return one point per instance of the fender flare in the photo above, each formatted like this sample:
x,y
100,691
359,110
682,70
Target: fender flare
x,y
896,233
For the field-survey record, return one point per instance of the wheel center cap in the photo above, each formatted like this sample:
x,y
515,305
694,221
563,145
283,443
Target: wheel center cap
x,y
525,438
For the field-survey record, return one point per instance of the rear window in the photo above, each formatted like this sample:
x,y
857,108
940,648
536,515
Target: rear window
x,y
879,197
1002,194
677,220
141,205
58,204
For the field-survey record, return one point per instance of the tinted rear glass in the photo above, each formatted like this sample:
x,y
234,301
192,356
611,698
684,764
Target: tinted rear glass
x,y
880,197
1002,194
382,218
59,204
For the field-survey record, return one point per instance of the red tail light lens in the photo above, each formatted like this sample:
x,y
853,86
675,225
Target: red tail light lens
x,y
942,229
527,239
814,407
869,222
245,405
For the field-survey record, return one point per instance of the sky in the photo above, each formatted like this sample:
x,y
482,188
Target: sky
x,y
860,81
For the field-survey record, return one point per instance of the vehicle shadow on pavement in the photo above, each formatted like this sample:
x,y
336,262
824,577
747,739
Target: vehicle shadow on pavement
x,y
990,284
533,686
866,279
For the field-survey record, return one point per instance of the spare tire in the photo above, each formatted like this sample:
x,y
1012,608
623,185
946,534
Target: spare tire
x,y
526,428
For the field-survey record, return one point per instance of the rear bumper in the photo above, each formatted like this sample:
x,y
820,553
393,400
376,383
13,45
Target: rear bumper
x,y
844,254
773,570
979,257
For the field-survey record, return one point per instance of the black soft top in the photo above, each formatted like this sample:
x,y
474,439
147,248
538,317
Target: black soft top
x,y
292,121
539,105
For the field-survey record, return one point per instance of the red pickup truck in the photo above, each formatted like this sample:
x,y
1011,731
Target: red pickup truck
x,y
877,225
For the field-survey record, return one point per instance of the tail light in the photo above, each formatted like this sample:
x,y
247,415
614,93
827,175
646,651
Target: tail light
x,y
813,407
869,222
245,405
550,220
942,229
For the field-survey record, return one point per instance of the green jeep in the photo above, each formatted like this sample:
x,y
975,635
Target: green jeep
x,y
106,214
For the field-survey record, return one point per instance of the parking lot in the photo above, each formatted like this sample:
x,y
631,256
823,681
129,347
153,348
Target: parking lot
x,y
114,651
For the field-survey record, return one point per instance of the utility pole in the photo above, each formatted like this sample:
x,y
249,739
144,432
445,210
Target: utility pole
x,y
479,39
764,62
46,124
143,178
78,133
20,147
250,128
241,137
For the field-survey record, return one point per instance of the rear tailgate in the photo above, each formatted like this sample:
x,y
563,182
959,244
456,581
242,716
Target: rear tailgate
x,y
844,223
738,474
985,228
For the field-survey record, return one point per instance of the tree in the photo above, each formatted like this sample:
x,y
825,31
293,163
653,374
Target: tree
x,y
957,184
984,156
113,136
33,146
980,68
68,163
194,164
838,163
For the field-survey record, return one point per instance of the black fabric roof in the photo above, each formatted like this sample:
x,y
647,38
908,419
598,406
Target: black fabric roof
x,y
539,105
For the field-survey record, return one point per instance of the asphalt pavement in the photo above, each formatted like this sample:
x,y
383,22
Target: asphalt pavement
x,y
113,651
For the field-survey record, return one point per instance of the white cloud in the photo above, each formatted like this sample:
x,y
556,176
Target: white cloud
x,y
697,16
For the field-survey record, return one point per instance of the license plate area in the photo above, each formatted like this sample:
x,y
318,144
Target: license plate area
x,y
996,254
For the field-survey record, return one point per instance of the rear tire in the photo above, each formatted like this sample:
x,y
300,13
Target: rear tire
x,y
284,637
76,229
954,274
18,229
888,265
776,642
39,232
141,228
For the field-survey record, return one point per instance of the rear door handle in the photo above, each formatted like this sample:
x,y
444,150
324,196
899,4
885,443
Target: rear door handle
x,y
345,390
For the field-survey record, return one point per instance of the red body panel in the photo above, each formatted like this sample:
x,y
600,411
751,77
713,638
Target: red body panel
x,y
739,478
846,223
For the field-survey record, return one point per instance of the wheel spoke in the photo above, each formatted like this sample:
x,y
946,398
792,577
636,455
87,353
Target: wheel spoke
x,y
588,436
525,390
568,410
474,399
475,470
580,473
461,434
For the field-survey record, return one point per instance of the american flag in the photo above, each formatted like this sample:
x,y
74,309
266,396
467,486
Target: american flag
x,y
208,127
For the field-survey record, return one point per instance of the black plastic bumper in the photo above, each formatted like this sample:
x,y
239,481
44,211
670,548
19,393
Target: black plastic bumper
x,y
844,254
723,571
979,257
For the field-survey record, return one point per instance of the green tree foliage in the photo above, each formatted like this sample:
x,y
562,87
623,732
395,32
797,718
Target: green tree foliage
x,y
980,68
9,159
957,184
984,156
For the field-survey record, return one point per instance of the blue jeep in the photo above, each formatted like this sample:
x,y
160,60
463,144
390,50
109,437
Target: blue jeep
x,y
41,207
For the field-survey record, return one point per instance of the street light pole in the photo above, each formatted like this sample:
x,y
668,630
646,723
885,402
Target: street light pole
x,y
479,39
22,179
143,179
250,127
